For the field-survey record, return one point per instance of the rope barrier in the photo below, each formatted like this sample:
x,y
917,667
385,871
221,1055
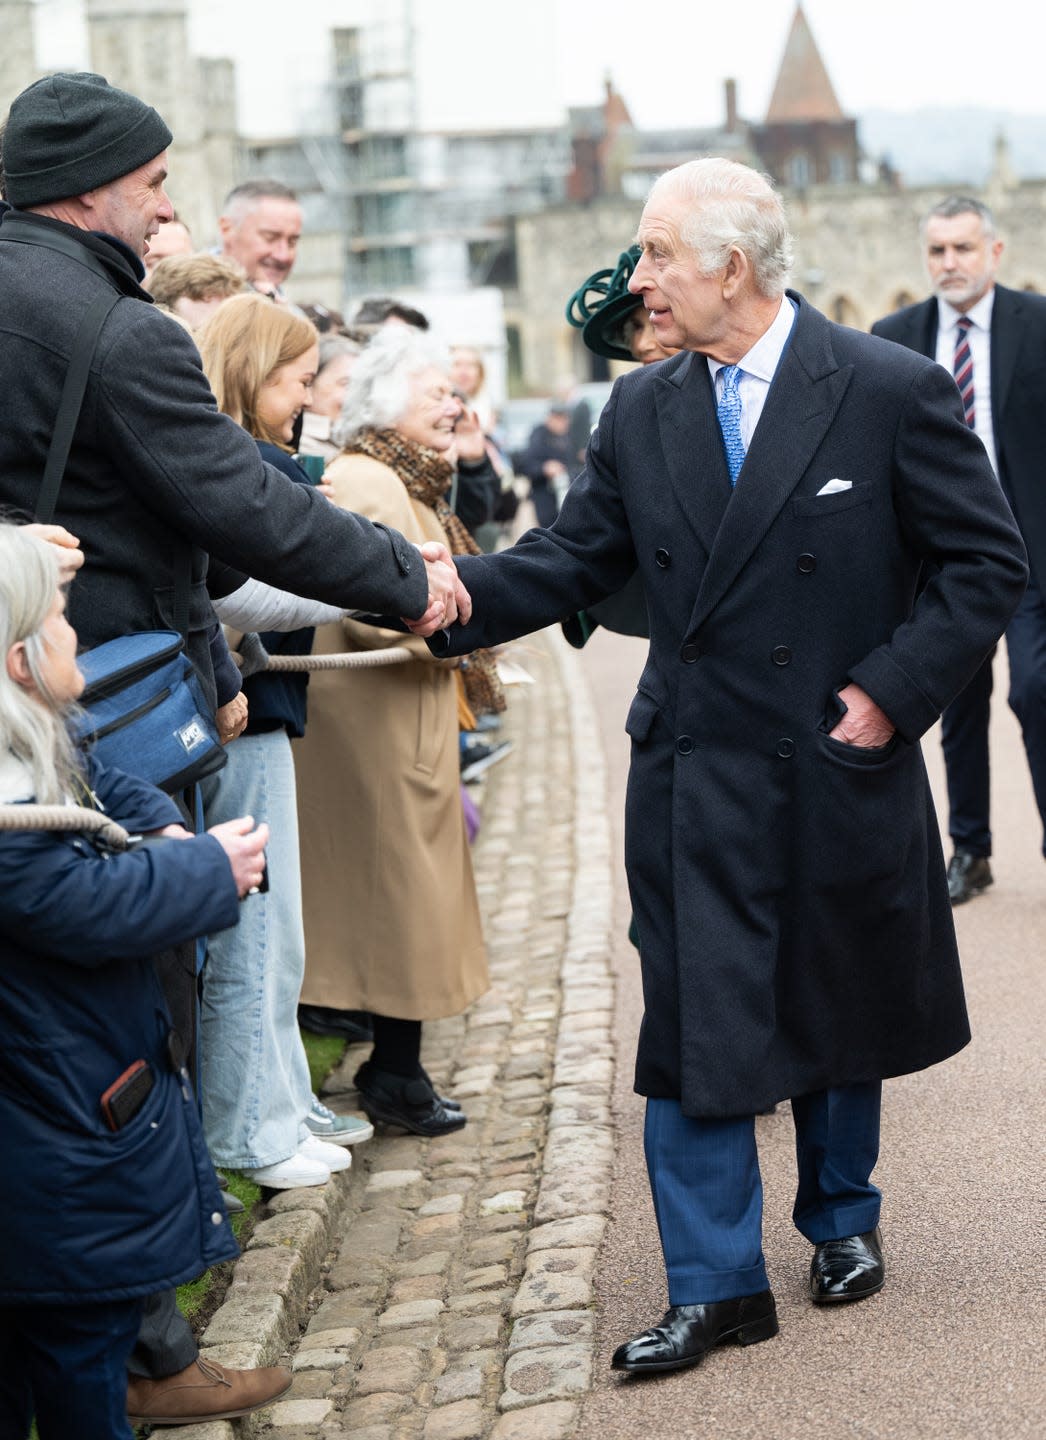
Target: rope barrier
x,y
352,660
63,817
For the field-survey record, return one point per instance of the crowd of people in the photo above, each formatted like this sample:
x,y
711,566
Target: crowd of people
x,y
335,488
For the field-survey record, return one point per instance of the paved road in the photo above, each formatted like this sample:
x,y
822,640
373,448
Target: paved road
x,y
953,1347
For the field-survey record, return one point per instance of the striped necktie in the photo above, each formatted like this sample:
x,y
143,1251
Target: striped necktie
x,y
962,368
729,412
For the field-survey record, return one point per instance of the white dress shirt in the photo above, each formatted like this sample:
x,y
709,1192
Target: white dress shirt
x,y
979,336
757,369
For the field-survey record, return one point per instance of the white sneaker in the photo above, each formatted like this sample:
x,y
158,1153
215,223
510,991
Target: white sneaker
x,y
296,1171
332,1157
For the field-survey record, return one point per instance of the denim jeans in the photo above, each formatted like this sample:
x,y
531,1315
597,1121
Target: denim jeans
x,y
255,1085
68,1364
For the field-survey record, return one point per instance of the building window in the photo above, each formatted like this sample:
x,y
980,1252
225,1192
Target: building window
x,y
799,171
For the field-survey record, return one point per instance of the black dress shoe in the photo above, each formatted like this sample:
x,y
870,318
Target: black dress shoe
x,y
968,875
444,1100
410,1104
352,1025
847,1269
688,1331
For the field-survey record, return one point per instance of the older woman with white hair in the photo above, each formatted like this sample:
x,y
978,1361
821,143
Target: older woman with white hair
x,y
391,917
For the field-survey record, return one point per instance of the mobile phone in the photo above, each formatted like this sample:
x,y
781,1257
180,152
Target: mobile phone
x,y
127,1094
313,465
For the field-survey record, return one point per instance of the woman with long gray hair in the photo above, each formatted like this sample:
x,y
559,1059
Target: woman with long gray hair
x,y
108,1195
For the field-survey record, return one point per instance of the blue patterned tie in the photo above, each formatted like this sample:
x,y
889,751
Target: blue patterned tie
x,y
729,412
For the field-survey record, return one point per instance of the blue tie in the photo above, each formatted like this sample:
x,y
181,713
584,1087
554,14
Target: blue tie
x,y
729,412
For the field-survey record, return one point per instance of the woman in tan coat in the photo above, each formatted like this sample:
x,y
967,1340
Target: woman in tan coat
x,y
391,916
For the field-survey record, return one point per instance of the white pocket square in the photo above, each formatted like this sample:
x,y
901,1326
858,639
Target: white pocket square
x,y
835,487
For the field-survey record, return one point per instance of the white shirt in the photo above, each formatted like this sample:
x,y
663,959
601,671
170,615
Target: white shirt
x,y
757,369
979,336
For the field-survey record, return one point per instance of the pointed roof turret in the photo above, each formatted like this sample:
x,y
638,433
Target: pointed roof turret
x,y
803,90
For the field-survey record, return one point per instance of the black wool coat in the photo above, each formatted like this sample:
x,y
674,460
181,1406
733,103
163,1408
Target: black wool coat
x,y
789,890
155,467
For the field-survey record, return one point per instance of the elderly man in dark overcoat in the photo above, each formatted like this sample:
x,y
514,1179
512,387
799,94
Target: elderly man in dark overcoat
x,y
825,564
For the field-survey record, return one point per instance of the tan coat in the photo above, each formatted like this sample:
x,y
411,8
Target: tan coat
x,y
391,916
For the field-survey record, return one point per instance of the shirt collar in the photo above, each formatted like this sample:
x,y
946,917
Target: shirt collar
x,y
981,313
765,355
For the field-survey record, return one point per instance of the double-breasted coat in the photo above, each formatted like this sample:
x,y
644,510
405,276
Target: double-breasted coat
x,y
391,915
789,890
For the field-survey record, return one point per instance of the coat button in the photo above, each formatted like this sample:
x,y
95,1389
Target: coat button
x,y
685,745
662,558
785,747
806,564
781,655
216,1217
690,652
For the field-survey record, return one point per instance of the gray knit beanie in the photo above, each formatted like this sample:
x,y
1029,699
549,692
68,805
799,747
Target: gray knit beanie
x,y
68,134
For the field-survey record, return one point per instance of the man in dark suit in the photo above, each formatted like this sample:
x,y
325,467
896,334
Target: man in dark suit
x,y
999,337
826,562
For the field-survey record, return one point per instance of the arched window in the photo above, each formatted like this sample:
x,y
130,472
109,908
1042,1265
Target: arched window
x,y
843,311
901,299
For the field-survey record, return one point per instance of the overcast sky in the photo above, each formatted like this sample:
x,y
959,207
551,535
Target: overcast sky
x,y
499,63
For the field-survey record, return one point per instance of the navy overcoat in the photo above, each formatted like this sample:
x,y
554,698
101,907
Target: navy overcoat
x,y
86,1214
789,890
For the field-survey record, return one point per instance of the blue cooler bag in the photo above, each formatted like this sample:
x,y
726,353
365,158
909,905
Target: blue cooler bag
x,y
143,710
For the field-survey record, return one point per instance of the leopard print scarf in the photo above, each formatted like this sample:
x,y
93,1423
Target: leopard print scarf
x,y
427,477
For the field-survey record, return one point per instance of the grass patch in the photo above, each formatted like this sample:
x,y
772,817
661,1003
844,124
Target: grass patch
x,y
324,1052
199,1299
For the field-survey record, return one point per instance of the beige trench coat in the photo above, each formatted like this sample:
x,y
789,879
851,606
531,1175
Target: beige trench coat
x,y
391,916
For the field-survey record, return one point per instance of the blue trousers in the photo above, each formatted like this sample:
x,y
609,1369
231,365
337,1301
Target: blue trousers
x,y
964,728
708,1194
67,1365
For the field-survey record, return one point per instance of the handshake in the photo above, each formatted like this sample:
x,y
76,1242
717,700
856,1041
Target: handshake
x,y
448,598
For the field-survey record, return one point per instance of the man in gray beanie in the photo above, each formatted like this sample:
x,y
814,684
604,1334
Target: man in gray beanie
x,y
157,479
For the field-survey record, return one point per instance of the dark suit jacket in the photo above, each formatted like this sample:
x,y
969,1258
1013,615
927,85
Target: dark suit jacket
x,y
1018,392
794,923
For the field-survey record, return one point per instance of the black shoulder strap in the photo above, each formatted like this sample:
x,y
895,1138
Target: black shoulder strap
x,y
84,346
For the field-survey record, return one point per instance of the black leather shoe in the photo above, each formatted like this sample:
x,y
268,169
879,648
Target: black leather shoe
x,y
411,1104
444,1100
352,1025
968,875
847,1269
688,1331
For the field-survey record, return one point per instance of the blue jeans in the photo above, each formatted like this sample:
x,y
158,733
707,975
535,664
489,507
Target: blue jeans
x,y
67,1364
255,1084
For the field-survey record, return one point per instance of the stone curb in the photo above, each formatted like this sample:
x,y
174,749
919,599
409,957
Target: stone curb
x,y
552,1342
272,1281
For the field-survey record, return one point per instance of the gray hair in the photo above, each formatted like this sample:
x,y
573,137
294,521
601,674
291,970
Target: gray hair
x,y
380,391
953,205
243,198
332,347
32,728
733,207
